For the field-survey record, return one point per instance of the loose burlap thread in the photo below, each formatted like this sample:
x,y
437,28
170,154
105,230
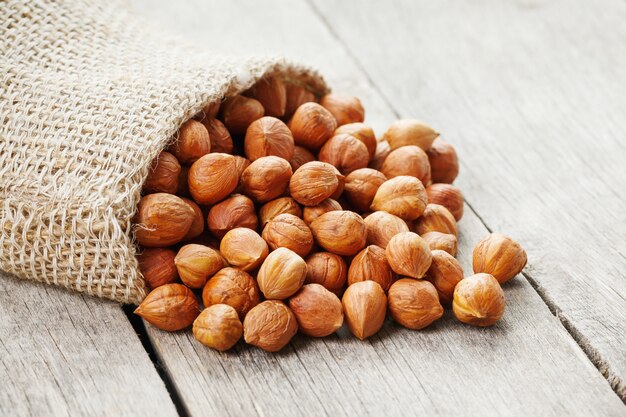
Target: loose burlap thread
x,y
89,96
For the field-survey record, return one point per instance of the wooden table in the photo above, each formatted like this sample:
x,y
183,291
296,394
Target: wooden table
x,y
533,95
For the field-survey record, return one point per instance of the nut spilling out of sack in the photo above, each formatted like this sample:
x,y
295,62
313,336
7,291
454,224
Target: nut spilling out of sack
x,y
283,212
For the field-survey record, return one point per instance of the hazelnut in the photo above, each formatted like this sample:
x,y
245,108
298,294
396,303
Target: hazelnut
x,y
270,326
371,265
409,255
402,196
282,274
364,306
157,266
328,270
444,273
407,160
193,142
312,125
444,163
382,226
500,256
243,248
163,175
318,311
212,178
345,109
448,196
341,183
183,182
209,111
296,96
196,263
340,232
478,300
241,164
268,136
239,112
197,227
236,211
162,220
233,287
382,151
266,178
312,183
313,212
436,218
221,141
300,157
288,231
283,205
272,94
345,152
410,132
218,327
169,307
361,187
414,303
441,241
363,133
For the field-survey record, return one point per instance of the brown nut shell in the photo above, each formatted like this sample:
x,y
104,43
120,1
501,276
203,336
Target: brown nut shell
x,y
414,303
169,307
403,196
233,287
371,265
345,152
282,205
363,133
196,263
193,142
282,274
441,241
318,311
313,212
478,300
445,273
239,112
212,178
409,255
407,160
410,132
266,178
500,256
364,307
448,196
218,327
341,232
312,125
288,231
382,226
313,182
164,175
157,266
345,109
436,218
444,162
270,326
243,248
236,211
361,186
162,220
268,136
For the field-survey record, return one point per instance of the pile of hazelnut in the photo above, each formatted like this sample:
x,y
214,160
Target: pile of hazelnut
x,y
289,215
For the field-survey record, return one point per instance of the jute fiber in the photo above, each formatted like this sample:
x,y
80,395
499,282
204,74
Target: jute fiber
x,y
89,96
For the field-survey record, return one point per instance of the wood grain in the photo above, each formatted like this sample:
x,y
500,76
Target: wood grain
x,y
62,354
533,94
526,365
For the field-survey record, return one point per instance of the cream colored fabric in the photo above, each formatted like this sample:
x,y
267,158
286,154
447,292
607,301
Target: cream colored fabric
x,y
89,95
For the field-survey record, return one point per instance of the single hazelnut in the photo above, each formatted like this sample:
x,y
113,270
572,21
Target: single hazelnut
x,y
288,231
236,211
363,133
407,160
239,112
371,265
345,109
243,248
441,241
445,273
266,178
345,152
414,303
313,212
409,255
341,184
183,182
241,164
193,142
382,226
364,307
221,141
328,270
233,287
402,196
162,220
312,183
382,151
212,178
448,196
218,327
361,187
282,205
500,256
444,163
169,307
296,96
436,218
268,136
340,232
478,300
270,326
282,274
272,94
318,311
196,263
410,132
209,111
300,157
163,175
312,125
157,266
197,227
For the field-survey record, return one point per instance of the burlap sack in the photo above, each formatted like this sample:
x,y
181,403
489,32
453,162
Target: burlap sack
x,y
89,95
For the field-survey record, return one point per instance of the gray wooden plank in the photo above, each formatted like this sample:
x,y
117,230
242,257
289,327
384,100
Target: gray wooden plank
x,y
526,365
534,96
63,354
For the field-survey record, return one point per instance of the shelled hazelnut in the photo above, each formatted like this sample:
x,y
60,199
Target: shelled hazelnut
x,y
212,178
282,205
221,141
162,220
341,232
371,265
441,241
312,125
268,136
233,287
196,263
363,133
500,256
382,151
328,270
164,175
193,142
410,132
266,178
313,212
296,96
402,196
313,183
364,307
272,94
414,303
169,307
344,152
288,231
236,211
361,186
218,327
270,326
448,196
436,218
197,226
300,157
238,112
445,273
444,163
382,226
345,109
478,300
318,311
407,160
157,266
409,255
243,248
282,274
